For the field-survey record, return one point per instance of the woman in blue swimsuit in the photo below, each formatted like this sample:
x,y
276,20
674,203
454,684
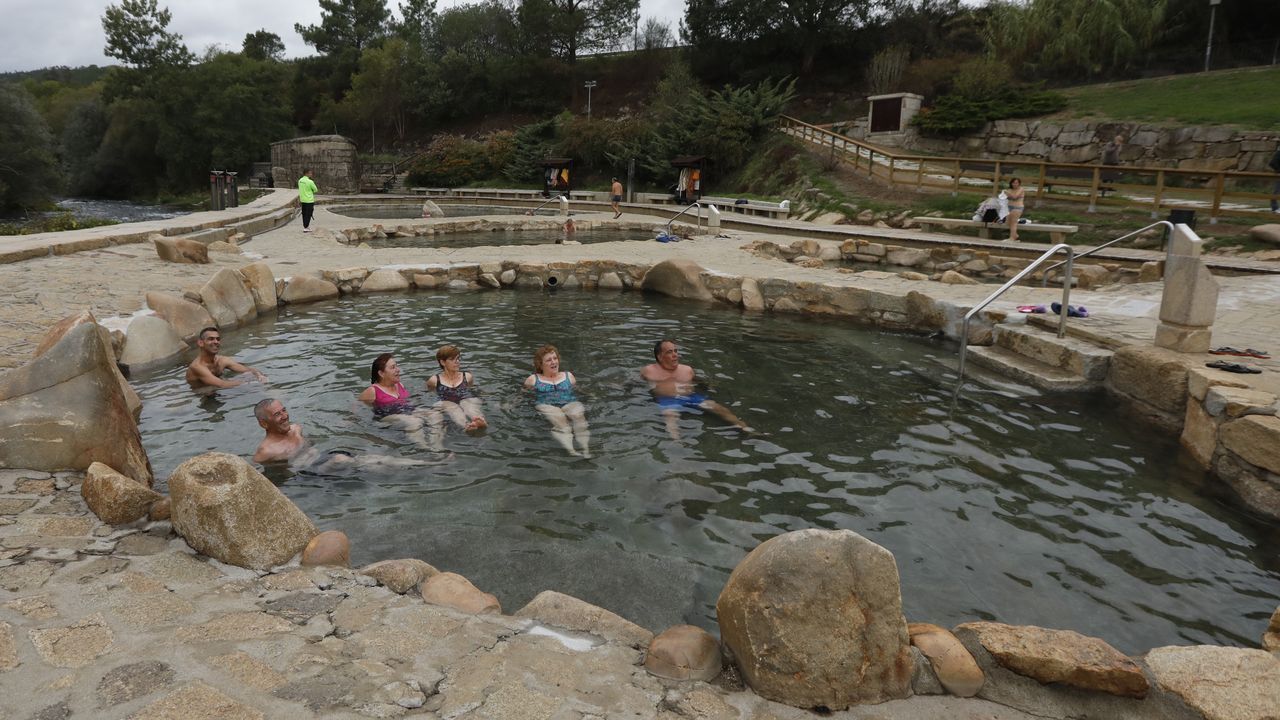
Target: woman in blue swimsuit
x,y
456,390
553,396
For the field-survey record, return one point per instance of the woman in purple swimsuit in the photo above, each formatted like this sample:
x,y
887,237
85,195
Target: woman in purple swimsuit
x,y
456,389
392,404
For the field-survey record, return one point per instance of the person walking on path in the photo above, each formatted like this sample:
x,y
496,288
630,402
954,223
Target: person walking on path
x,y
616,191
307,198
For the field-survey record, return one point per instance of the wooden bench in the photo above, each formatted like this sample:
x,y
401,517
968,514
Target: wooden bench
x,y
1057,233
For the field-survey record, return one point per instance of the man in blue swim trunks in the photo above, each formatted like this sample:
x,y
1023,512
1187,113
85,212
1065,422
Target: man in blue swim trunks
x,y
672,386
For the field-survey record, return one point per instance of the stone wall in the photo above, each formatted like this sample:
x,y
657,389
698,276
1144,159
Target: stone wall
x,y
332,159
1077,141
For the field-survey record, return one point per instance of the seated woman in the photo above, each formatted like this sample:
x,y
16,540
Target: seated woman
x,y
553,396
391,403
456,389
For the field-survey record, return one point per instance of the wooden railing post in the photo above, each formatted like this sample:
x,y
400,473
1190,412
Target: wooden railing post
x,y
1093,191
1218,187
995,179
1040,184
1159,195
955,180
891,179
919,174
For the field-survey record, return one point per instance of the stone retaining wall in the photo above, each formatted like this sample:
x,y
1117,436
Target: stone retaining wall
x,y
331,158
1078,141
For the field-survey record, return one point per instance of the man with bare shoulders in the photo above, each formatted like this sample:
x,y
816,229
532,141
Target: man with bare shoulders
x,y
615,196
206,370
284,442
672,386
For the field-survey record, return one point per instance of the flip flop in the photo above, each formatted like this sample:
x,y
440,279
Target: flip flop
x,y
1233,367
1031,309
1247,352
1072,310
1260,354
1225,350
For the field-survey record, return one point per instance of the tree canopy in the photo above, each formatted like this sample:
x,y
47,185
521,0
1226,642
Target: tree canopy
x,y
28,166
136,35
263,45
346,25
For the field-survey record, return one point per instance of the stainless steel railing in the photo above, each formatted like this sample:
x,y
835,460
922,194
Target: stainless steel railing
x,y
699,215
1066,296
1168,226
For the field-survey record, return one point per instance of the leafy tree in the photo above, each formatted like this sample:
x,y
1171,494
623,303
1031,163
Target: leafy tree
x,y
347,25
531,145
85,129
262,45
136,36
418,19
654,35
796,27
379,92
1074,38
571,27
28,166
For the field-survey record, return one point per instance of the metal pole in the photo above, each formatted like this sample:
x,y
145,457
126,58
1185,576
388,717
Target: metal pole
x,y
631,180
233,190
1208,46
588,85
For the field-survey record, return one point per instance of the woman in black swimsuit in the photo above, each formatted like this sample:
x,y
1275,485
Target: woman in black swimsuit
x,y
456,390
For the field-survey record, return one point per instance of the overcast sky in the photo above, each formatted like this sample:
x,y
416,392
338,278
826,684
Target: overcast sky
x,y
42,33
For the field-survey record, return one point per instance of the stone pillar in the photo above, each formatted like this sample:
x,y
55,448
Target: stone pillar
x,y
1190,301
564,206
713,217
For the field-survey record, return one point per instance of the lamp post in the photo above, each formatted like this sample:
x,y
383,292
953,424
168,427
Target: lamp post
x,y
1208,46
588,85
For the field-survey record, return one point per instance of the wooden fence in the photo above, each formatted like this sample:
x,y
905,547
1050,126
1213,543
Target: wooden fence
x,y
1216,192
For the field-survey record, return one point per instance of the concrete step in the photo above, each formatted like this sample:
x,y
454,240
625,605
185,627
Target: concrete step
x,y
1033,372
1074,355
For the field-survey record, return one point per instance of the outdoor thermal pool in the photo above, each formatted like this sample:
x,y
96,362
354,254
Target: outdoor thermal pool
x,y
1053,511
413,211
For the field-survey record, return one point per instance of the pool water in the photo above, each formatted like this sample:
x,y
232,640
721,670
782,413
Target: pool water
x,y
1025,509
479,238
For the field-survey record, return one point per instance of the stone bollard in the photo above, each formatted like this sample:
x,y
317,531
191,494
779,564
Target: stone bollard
x,y
564,206
1190,301
713,217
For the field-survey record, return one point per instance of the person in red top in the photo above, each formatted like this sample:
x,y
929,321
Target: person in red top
x,y
392,404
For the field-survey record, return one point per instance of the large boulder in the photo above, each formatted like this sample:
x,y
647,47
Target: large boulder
x,y
65,409
114,498
262,285
227,510
676,278
304,289
1221,683
186,317
228,299
814,619
1271,638
1059,656
1269,233
150,339
55,333
384,280
181,250
331,547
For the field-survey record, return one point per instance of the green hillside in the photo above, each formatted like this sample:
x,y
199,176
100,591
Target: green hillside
x,y
1243,98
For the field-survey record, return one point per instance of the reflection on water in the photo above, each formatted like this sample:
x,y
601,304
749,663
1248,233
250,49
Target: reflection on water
x,y
1038,510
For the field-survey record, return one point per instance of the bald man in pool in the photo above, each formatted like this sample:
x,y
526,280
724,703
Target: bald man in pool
x,y
284,442
672,384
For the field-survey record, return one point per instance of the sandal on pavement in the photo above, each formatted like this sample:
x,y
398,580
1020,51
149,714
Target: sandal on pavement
x,y
1233,367
1031,309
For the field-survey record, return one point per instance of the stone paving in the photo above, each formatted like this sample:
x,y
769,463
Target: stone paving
x,y
101,621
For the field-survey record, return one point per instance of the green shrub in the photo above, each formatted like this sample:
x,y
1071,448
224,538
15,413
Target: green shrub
x,y
954,115
54,223
455,161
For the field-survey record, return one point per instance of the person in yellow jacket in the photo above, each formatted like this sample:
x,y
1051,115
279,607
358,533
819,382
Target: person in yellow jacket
x,y
307,198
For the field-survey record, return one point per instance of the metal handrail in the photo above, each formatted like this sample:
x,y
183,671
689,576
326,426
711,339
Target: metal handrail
x,y
699,215
1066,296
1168,226
546,203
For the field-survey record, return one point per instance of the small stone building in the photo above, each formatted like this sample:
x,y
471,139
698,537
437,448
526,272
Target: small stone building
x,y
331,158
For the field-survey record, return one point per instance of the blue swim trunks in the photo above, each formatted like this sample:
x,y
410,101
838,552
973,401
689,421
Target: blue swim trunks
x,y
694,400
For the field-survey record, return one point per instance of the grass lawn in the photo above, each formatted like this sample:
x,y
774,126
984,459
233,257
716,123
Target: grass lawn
x,y
1243,98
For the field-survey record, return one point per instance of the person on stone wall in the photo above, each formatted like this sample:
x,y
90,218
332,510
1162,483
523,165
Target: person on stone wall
x,y
1111,156
307,198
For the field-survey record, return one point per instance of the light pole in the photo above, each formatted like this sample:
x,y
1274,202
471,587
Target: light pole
x,y
588,85
1208,46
